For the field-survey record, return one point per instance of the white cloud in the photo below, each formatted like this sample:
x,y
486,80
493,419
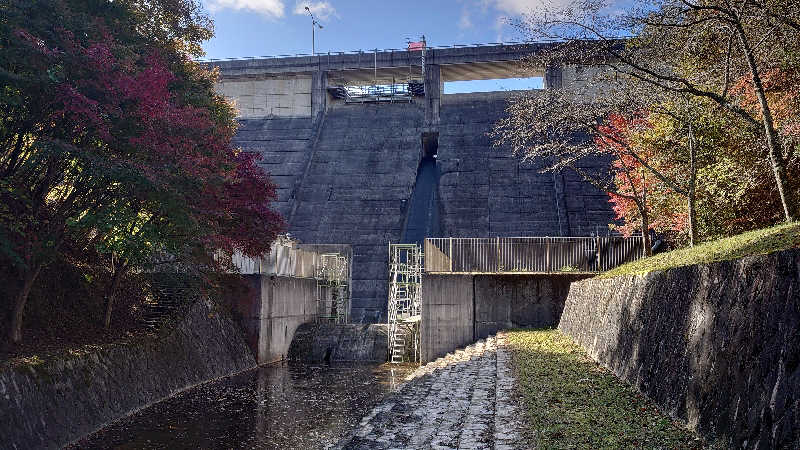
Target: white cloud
x,y
466,21
525,6
273,9
322,10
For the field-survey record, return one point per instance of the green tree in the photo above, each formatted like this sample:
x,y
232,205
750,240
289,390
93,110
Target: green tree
x,y
112,137
698,48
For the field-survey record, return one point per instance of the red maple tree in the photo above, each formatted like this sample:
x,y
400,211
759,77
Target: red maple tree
x,y
116,145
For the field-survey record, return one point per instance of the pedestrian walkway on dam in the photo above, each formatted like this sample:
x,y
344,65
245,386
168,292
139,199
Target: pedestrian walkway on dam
x,y
464,400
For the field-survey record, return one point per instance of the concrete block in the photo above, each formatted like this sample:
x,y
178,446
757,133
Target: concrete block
x,y
447,321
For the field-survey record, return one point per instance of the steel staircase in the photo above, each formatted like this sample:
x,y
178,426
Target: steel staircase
x,y
405,268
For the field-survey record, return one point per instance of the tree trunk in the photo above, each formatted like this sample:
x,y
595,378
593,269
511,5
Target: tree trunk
x,y
15,331
692,219
645,225
773,146
691,192
111,293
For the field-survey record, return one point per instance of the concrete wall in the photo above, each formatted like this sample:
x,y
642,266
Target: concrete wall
x,y
328,342
487,191
509,301
285,145
715,345
347,174
286,96
457,310
361,177
357,189
61,398
271,309
447,314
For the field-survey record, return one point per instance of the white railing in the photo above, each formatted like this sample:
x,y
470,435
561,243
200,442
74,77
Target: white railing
x,y
330,270
333,291
405,295
375,50
530,254
284,259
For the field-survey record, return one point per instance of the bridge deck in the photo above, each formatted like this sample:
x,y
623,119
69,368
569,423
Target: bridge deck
x,y
459,63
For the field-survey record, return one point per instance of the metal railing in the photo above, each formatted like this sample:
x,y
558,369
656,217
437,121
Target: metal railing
x,y
285,258
330,270
376,50
333,290
530,254
380,92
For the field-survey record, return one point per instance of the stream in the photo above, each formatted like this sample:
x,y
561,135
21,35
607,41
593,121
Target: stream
x,y
280,406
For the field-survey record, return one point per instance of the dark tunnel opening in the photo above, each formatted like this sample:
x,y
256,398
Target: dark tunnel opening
x,y
430,145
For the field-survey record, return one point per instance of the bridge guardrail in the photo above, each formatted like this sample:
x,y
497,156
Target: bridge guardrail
x,y
287,258
530,254
356,52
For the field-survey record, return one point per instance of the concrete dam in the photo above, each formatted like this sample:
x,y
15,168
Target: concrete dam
x,y
399,169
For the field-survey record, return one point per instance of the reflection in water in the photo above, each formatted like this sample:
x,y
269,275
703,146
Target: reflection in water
x,y
289,406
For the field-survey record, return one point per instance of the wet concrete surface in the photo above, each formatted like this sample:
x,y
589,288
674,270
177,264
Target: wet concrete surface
x,y
423,215
289,406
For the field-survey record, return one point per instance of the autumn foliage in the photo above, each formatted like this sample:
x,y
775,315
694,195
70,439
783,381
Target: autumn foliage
x,y
735,190
636,187
114,141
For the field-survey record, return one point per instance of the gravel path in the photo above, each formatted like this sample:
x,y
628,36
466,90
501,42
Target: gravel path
x,y
464,400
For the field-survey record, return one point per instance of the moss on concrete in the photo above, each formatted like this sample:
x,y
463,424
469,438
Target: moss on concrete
x,y
572,402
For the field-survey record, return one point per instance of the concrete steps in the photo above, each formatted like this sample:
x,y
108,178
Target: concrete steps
x,y
464,400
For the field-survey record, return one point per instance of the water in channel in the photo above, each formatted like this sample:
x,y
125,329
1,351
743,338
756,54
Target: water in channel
x,y
283,406
423,214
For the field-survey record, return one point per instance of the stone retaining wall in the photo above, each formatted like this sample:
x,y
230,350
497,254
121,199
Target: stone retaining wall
x,y
716,345
61,399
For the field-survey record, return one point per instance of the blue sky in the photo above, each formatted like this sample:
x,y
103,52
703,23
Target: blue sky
x,y
276,27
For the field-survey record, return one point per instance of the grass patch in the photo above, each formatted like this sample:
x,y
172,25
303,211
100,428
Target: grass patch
x,y
572,402
759,242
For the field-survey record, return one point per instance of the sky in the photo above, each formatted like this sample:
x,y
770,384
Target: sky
x,y
282,27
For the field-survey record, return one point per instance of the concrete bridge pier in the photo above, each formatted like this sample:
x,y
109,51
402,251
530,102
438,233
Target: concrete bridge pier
x,y
433,97
319,95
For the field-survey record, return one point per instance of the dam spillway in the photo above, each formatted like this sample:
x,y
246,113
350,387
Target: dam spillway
x,y
422,219
362,173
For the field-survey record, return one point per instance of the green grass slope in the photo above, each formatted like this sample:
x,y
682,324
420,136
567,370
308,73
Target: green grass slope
x,y
759,242
570,401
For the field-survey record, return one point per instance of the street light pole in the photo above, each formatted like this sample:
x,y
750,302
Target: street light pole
x,y
314,23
